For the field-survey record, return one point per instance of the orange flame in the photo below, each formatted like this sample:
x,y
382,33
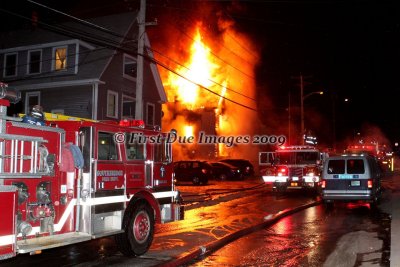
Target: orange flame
x,y
200,71
226,70
188,129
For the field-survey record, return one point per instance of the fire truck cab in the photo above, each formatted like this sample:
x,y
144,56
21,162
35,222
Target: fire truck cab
x,y
294,167
74,180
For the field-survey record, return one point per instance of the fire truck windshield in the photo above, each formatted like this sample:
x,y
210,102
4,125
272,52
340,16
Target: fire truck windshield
x,y
297,157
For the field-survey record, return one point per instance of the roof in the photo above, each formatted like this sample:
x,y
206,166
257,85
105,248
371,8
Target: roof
x,y
297,149
351,156
117,24
111,29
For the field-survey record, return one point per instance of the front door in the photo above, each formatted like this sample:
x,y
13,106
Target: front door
x,y
138,170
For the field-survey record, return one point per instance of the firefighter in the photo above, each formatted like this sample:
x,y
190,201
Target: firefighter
x,y
35,116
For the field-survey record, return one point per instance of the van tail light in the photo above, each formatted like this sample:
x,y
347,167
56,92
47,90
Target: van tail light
x,y
204,171
323,184
370,183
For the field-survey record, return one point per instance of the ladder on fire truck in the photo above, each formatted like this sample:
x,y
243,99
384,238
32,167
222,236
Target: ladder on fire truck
x,y
21,163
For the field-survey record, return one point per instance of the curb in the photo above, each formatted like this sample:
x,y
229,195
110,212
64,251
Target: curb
x,y
215,245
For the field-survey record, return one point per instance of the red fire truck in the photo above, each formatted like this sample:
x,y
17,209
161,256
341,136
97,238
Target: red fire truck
x,y
381,152
75,180
294,167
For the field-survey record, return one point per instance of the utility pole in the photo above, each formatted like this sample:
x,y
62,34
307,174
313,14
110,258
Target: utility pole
x,y
289,126
302,84
141,19
302,108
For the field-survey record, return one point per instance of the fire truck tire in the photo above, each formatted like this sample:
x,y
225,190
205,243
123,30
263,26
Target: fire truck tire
x,y
138,225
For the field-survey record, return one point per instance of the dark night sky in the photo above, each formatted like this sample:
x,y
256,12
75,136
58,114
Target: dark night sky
x,y
348,49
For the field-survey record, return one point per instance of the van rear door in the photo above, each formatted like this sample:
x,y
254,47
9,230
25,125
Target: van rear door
x,y
346,175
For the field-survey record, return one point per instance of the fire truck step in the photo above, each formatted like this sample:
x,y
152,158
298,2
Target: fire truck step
x,y
42,243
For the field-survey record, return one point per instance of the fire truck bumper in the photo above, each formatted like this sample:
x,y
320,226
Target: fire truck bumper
x,y
172,212
271,179
283,182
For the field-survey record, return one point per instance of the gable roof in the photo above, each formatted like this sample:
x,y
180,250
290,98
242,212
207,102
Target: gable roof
x,y
99,45
98,36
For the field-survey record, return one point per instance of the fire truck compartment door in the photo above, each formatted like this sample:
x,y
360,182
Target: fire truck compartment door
x,y
8,207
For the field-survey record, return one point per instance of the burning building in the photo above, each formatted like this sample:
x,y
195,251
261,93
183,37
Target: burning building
x,y
211,90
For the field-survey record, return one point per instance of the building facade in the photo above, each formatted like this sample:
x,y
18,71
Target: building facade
x,y
80,69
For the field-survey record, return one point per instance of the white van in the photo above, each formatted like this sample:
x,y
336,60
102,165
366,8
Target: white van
x,y
351,178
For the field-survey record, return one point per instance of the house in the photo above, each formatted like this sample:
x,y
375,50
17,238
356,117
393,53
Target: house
x,y
85,69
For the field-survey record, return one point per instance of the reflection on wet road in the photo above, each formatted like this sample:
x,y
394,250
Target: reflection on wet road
x,y
348,235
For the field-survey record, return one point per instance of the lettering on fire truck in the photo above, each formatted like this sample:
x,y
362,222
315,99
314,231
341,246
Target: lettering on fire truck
x,y
70,181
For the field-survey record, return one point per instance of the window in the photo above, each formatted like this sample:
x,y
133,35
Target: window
x,y
60,58
112,104
128,107
134,149
336,167
10,65
34,61
31,99
355,166
107,148
162,151
150,114
130,67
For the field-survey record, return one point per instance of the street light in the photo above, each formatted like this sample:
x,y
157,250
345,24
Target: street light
x,y
302,107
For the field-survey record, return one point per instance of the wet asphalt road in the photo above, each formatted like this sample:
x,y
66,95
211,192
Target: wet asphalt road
x,y
348,235
214,211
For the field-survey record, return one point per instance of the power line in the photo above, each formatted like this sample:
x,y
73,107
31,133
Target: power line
x,y
215,55
118,47
214,82
123,37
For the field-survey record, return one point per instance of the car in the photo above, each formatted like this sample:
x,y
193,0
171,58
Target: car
x,y
224,171
245,166
198,172
351,178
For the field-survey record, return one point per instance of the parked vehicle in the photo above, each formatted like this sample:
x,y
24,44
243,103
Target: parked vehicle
x,y
244,165
351,178
198,172
224,171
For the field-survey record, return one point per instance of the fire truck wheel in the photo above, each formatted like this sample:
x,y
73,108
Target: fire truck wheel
x,y
139,230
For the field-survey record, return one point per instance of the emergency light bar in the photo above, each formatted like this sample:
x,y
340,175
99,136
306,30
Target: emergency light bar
x,y
132,123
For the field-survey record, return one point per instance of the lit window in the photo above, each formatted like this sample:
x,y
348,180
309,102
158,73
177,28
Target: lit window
x,y
112,104
34,59
130,67
10,65
60,58
150,114
128,107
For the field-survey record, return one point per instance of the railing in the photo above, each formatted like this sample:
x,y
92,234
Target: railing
x,y
26,158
